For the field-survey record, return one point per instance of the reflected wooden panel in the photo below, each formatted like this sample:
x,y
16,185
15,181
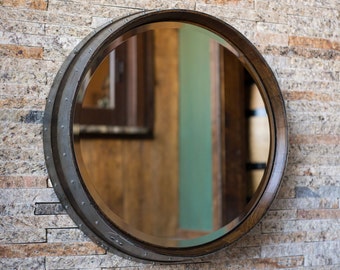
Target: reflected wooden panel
x,y
138,179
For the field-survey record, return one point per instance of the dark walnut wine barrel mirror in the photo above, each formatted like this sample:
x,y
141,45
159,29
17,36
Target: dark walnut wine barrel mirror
x,y
165,135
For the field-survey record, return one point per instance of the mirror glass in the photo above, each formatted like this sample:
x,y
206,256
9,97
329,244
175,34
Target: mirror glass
x,y
171,134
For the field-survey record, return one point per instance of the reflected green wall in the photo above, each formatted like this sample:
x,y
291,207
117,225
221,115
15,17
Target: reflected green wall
x,y
195,138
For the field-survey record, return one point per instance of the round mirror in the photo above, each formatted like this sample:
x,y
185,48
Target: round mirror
x,y
165,135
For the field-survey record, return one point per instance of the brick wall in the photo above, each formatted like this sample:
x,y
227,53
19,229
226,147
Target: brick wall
x,y
300,40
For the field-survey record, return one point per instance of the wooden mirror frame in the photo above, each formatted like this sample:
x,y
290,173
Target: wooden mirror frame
x,y
65,173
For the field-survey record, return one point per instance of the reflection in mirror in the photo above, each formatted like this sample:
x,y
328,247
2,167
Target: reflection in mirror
x,y
171,134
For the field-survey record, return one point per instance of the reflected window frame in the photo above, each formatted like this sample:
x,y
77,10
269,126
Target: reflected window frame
x,y
128,111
